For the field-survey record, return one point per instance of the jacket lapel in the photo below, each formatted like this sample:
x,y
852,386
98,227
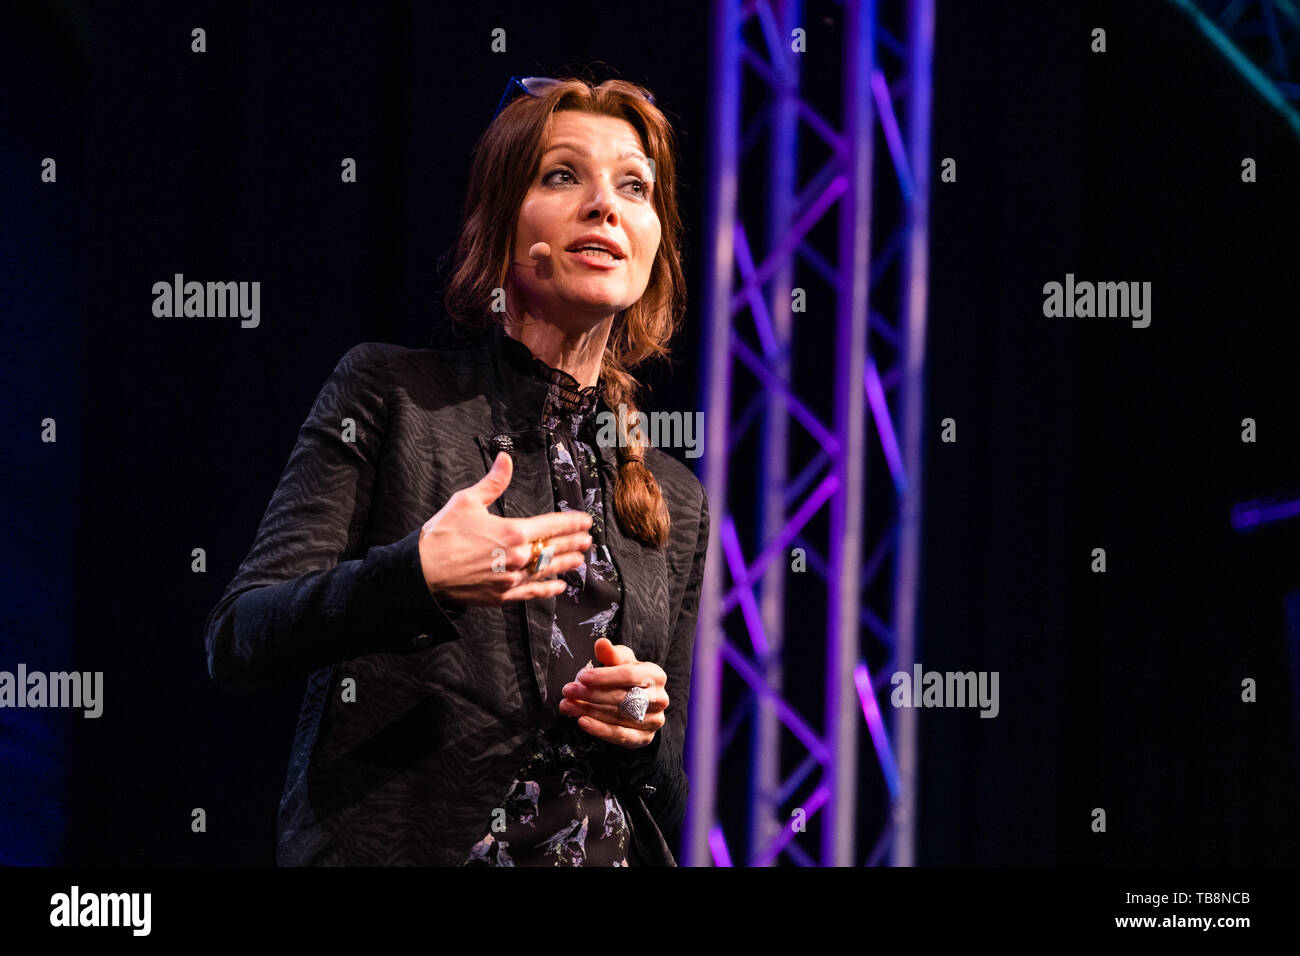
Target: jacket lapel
x,y
529,493
643,571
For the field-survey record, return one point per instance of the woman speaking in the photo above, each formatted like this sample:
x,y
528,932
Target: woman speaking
x,y
488,578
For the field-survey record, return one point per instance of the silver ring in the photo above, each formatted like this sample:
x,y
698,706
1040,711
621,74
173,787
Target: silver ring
x,y
634,704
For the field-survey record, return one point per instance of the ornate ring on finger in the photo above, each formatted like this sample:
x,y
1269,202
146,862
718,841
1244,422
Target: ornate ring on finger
x,y
634,705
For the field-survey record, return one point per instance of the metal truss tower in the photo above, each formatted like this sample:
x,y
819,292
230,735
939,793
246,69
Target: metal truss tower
x,y
1261,40
797,278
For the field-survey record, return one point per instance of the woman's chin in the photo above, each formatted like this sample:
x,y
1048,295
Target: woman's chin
x,y
595,302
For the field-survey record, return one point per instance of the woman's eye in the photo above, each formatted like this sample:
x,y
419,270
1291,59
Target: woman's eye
x,y
640,187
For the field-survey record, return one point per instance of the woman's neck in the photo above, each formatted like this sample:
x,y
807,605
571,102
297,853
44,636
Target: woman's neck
x,y
577,353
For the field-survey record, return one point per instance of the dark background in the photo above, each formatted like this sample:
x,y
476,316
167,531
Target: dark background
x,y
1119,691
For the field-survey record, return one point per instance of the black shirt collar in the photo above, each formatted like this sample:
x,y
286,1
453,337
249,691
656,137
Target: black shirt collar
x,y
534,390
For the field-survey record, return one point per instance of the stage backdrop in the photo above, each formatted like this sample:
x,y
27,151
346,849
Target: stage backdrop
x,y
1119,690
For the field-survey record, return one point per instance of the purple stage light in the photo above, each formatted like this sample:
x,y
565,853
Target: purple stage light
x,y
1250,515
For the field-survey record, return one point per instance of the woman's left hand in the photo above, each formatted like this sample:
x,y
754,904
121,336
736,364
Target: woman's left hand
x,y
597,691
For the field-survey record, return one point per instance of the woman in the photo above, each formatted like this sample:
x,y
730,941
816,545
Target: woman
x,y
490,657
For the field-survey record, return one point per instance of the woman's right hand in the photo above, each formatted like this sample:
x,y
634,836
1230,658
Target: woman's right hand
x,y
462,543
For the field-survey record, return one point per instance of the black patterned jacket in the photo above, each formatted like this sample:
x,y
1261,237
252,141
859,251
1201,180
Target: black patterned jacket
x,y
403,765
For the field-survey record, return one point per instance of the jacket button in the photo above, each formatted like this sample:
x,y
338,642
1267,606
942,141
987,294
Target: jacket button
x,y
421,640
503,443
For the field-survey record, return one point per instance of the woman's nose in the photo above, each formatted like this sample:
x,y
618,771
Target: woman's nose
x,y
601,202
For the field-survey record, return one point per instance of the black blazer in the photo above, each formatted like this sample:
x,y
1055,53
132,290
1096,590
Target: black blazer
x,y
417,712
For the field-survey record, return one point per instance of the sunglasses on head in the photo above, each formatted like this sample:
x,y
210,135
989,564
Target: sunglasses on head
x,y
533,86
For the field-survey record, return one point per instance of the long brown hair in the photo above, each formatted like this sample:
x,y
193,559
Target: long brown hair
x,y
506,159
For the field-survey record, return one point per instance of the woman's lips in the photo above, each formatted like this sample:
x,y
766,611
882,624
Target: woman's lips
x,y
594,259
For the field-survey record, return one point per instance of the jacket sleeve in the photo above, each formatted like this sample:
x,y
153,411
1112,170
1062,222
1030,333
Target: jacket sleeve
x,y
305,597
657,771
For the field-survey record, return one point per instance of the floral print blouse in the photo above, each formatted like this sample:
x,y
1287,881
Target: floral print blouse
x,y
559,810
